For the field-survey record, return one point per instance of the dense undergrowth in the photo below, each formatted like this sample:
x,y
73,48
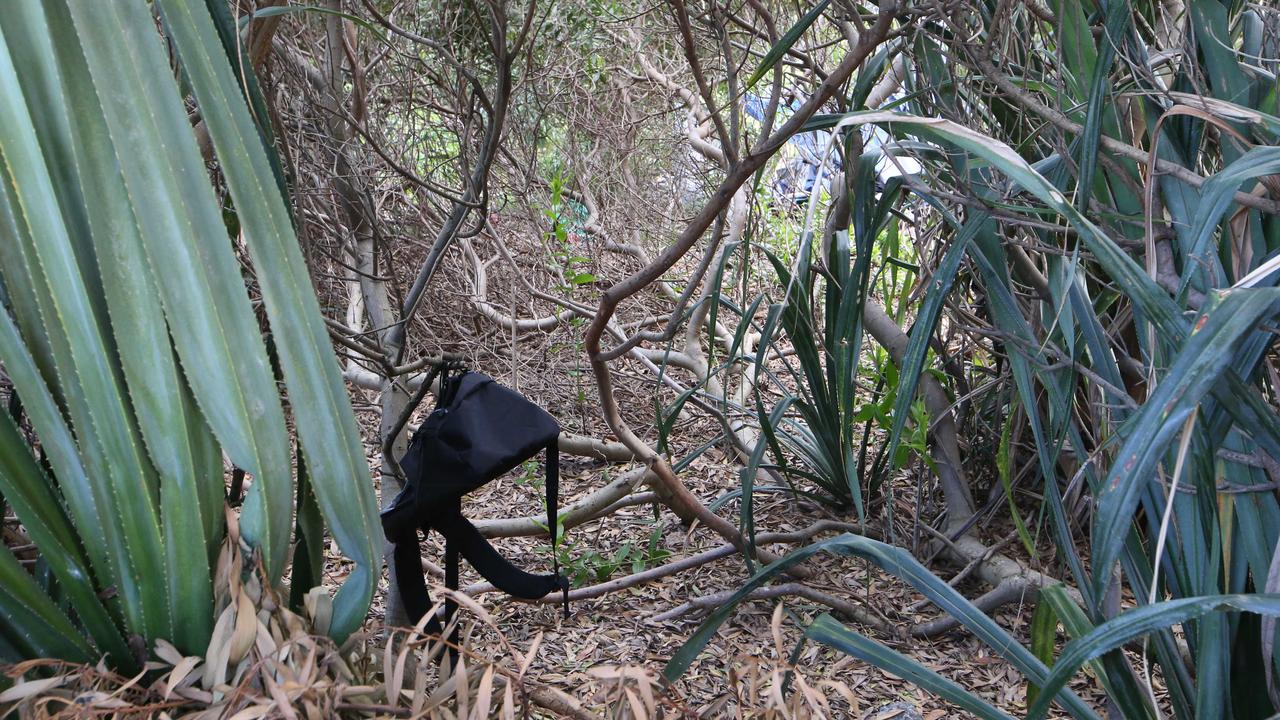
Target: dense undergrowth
x,y
984,290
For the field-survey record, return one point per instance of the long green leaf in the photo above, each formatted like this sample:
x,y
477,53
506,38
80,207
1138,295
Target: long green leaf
x,y
747,521
155,384
1154,304
1004,311
1125,694
308,553
266,12
336,464
60,448
204,298
103,421
30,493
1150,299
1199,366
1044,635
898,562
238,55
826,630
1212,26
1216,196
926,321
1075,46
33,620
1004,460
1138,622
786,42
1118,17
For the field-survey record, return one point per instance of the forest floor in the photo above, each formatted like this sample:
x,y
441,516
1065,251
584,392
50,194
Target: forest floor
x,y
607,656
610,646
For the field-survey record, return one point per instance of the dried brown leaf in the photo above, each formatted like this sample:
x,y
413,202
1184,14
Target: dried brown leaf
x,y
29,688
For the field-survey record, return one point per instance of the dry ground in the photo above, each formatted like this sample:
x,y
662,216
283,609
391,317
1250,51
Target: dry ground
x,y
742,667
605,658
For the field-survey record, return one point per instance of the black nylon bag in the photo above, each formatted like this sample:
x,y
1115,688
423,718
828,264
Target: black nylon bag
x,y
479,431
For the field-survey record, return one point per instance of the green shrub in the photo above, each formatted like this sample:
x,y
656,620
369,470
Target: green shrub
x,y
1173,451
132,343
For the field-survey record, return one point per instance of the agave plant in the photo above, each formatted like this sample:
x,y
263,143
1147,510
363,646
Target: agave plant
x,y
132,342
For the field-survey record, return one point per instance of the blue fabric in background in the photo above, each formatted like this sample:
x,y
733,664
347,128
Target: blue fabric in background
x,y
802,156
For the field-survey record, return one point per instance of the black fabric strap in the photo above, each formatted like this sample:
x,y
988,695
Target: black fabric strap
x,y
444,395
463,537
451,582
412,582
552,463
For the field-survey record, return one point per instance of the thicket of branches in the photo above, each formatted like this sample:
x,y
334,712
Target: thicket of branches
x,y
976,306
985,287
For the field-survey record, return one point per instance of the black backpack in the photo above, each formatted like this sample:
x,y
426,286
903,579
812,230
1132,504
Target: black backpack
x,y
478,431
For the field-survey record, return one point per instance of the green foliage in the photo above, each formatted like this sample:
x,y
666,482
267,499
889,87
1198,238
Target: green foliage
x,y
582,562
786,42
898,562
129,335
1044,634
530,475
826,630
1157,395
584,565
879,413
811,430
566,218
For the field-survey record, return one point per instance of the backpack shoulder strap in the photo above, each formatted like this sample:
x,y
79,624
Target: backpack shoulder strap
x,y
411,583
552,463
552,469
464,539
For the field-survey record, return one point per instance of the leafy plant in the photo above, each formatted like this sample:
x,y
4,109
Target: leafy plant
x,y
584,565
820,437
1141,357
530,475
565,220
879,413
128,334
